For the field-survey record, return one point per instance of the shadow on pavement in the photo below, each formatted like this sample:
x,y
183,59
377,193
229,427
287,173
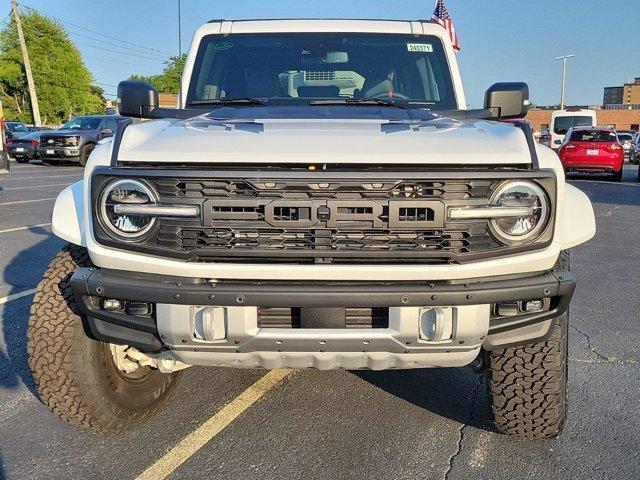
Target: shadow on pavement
x,y
22,273
2,474
457,394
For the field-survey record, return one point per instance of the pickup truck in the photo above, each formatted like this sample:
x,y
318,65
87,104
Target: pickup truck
x,y
322,198
77,138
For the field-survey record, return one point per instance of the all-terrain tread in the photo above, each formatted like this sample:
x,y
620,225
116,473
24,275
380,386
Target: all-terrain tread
x,y
528,384
62,359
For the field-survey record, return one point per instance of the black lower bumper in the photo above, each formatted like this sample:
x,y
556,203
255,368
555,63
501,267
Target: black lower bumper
x,y
91,285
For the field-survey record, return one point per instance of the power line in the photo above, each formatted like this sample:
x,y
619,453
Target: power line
x,y
117,62
118,52
104,34
104,84
116,45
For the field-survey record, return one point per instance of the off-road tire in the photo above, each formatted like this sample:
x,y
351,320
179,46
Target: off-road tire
x,y
528,384
84,154
76,376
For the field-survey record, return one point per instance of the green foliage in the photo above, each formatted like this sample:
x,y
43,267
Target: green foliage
x,y
169,80
63,82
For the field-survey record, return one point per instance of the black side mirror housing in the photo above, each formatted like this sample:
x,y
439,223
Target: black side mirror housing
x,y
137,99
507,100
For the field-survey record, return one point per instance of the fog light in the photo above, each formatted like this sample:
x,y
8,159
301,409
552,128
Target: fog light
x,y
507,309
435,324
210,324
532,306
111,304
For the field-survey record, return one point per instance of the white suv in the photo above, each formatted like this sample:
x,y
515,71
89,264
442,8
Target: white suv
x,y
321,199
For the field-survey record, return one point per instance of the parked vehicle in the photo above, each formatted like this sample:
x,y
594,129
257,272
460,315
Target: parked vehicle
x,y
563,120
593,150
634,151
77,138
5,165
25,148
14,130
323,200
625,139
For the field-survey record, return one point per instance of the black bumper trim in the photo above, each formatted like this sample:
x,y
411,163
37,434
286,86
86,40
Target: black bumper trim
x,y
90,284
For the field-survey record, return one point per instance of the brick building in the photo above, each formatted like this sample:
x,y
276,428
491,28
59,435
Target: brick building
x,y
620,119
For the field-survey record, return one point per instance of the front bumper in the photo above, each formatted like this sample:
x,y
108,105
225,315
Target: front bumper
x,y
58,152
177,302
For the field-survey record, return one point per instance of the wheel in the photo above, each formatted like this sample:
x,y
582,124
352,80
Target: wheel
x,y
22,160
617,176
528,384
84,154
76,377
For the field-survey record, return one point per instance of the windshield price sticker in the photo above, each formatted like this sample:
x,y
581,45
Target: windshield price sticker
x,y
420,47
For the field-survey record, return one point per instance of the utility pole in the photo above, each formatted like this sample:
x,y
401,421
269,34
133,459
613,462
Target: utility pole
x,y
35,108
180,28
564,59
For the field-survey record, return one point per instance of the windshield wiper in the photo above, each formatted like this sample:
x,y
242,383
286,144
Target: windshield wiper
x,y
230,101
361,101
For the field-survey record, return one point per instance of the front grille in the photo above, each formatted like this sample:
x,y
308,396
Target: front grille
x,y
297,221
315,218
271,317
51,141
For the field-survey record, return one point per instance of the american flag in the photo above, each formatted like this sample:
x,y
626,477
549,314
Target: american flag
x,y
441,17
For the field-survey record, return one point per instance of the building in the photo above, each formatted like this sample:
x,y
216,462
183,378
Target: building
x,y
613,96
627,94
621,119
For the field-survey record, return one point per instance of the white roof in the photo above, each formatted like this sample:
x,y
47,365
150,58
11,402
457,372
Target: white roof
x,y
319,25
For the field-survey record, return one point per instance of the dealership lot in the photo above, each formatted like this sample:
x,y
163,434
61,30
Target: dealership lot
x,y
412,424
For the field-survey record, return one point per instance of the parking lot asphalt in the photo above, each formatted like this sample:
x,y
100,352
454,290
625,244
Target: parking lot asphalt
x,y
428,424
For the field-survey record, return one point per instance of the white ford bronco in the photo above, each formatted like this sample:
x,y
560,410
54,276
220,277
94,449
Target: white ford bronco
x,y
321,198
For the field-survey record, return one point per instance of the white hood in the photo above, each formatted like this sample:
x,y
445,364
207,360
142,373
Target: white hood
x,y
317,141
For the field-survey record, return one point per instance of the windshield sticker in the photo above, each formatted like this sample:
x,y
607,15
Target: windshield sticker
x,y
420,47
223,46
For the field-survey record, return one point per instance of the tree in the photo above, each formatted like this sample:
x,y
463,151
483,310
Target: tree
x,y
63,82
169,80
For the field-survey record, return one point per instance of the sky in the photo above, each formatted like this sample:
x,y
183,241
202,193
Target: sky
x,y
502,40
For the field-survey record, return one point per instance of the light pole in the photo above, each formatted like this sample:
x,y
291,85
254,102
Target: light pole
x,y
180,28
564,59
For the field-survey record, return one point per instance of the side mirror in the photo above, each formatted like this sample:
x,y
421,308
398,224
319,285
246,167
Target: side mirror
x,y
507,100
136,99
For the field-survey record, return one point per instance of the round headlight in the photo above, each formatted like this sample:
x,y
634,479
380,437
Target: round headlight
x,y
122,193
524,195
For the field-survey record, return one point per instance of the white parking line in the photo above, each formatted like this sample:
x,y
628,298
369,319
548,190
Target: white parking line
x,y
27,201
208,430
37,186
17,296
46,176
17,229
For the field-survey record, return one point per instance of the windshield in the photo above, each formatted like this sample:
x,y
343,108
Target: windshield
x,y
593,136
563,124
17,127
82,123
297,68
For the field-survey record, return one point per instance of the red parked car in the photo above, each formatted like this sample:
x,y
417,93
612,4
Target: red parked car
x,y
592,150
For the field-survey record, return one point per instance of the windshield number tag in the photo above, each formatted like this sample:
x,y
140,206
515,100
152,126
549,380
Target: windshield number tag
x,y
420,47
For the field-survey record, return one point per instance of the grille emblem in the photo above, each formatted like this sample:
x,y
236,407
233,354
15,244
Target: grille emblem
x,y
324,213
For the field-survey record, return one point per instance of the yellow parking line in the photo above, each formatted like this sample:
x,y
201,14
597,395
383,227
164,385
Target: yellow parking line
x,y
17,229
16,296
212,427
